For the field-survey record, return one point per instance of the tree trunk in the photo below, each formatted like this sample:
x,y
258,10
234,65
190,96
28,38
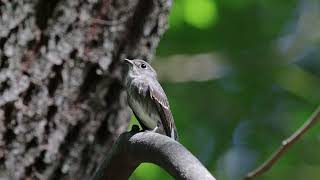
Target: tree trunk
x,y
62,100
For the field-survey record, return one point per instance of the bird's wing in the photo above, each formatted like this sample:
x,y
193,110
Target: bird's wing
x,y
160,100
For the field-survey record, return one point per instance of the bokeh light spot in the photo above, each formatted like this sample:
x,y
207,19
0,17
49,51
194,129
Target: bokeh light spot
x,y
201,13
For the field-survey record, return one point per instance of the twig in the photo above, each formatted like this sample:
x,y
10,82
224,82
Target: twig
x,y
285,145
133,148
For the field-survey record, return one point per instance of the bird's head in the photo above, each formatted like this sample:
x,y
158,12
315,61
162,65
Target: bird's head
x,y
139,68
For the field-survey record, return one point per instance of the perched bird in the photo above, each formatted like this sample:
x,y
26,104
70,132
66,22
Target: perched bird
x,y
147,99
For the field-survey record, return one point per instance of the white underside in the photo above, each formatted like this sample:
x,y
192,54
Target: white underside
x,y
149,120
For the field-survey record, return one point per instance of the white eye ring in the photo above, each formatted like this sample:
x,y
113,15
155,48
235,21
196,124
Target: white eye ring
x,y
143,65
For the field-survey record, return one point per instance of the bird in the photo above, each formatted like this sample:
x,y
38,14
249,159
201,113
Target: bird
x,y
147,99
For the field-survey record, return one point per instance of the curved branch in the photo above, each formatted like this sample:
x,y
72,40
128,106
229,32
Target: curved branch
x,y
286,144
133,148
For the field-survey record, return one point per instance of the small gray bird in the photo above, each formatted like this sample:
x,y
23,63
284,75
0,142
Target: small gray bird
x,y
147,99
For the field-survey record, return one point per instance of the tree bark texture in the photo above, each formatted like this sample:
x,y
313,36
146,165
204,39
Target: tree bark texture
x,y
62,101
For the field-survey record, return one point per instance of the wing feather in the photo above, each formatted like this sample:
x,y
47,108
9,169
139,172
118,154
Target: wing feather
x,y
160,100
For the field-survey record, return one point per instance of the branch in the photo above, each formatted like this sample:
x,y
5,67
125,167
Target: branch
x,y
133,148
286,145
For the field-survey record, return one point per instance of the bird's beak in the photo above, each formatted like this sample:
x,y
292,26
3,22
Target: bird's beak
x,y
128,61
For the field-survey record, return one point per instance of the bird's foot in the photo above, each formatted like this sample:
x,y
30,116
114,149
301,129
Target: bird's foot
x,y
153,130
135,128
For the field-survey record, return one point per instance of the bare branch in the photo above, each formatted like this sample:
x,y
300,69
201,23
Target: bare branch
x,y
286,145
133,148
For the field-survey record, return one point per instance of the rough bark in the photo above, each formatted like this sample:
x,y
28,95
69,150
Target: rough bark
x,y
62,103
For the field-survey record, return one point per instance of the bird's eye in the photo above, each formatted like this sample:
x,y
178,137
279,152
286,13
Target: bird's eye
x,y
143,66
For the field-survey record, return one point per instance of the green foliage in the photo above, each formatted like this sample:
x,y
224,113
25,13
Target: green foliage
x,y
201,14
234,123
149,171
238,4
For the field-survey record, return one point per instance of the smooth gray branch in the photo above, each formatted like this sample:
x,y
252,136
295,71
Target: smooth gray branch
x,y
286,144
133,148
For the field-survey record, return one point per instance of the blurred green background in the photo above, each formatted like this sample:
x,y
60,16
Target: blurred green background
x,y
241,76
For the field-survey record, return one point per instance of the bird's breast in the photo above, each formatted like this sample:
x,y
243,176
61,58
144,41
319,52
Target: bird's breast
x,y
145,111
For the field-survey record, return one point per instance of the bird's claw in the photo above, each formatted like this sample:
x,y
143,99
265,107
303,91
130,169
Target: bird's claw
x,y
135,128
